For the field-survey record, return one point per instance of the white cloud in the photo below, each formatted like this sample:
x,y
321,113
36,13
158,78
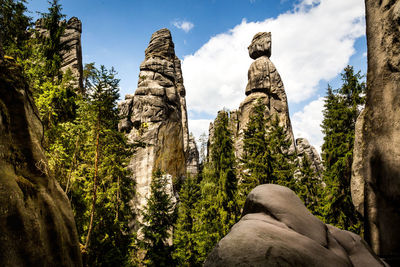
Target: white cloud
x,y
186,26
198,127
306,123
311,43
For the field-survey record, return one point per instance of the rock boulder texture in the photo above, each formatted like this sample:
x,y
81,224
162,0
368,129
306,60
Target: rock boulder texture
x,y
36,220
376,167
72,54
155,117
192,157
276,229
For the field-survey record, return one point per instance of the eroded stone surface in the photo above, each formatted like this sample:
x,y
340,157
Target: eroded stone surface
x,y
265,84
36,220
276,229
156,117
376,168
72,54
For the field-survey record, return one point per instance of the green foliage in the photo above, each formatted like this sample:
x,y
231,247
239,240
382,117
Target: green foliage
x,y
185,235
103,151
158,219
13,26
341,109
51,42
266,157
309,187
217,209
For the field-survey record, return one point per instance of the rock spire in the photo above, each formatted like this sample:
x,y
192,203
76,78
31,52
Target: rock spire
x,y
155,117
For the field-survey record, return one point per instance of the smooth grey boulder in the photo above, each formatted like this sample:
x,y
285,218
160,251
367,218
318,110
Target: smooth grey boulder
x,y
276,229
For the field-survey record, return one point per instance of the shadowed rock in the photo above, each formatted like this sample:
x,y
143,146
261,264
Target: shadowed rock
x,y
375,183
276,229
36,220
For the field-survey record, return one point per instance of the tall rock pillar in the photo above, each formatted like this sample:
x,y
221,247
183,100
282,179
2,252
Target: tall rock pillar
x,y
152,117
264,83
376,166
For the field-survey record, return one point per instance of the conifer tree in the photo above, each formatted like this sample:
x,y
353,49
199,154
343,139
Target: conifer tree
x,y
100,187
13,27
158,219
217,209
341,109
309,187
266,157
185,236
52,45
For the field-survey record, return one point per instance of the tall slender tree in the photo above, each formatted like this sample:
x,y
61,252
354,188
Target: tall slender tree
x,y
341,109
217,209
185,235
266,153
158,219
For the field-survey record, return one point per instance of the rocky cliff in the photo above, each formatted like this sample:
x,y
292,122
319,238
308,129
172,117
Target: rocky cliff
x,y
276,229
376,169
72,54
155,117
36,220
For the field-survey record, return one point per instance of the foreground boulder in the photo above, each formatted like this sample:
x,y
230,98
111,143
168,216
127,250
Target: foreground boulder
x,y
277,230
37,226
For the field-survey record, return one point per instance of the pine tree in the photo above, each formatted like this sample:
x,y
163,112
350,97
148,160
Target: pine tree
x,y
99,184
309,187
341,109
14,24
266,157
223,163
185,236
52,45
217,209
158,219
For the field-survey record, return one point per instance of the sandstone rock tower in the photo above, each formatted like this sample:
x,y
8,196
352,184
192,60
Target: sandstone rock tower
x,y
155,117
72,55
264,82
375,181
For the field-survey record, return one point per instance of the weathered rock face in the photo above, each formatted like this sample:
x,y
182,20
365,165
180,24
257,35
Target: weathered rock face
x,y
304,148
72,55
155,116
264,83
192,157
36,220
376,168
276,229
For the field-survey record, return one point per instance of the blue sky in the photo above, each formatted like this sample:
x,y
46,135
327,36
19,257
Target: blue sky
x,y
312,41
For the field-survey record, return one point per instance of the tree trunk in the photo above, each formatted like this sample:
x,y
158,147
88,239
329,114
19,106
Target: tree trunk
x,y
96,161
